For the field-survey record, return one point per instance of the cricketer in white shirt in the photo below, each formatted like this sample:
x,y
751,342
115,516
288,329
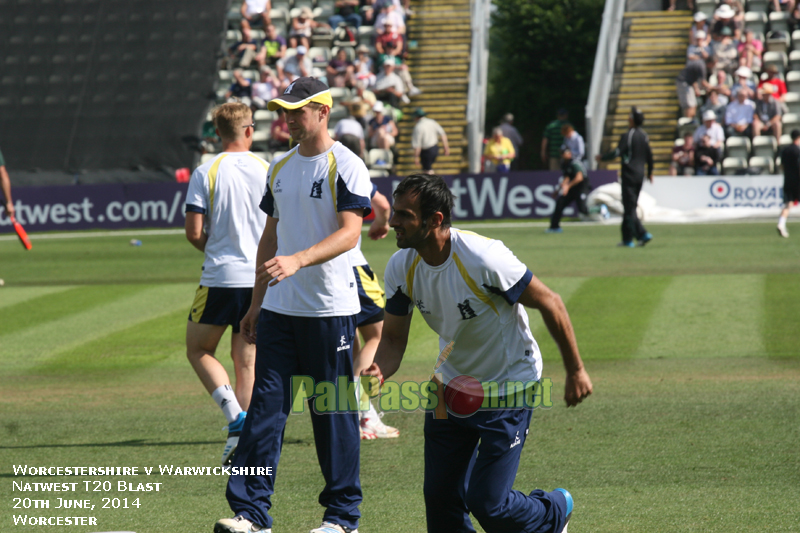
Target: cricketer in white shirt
x,y
470,298
227,190
305,194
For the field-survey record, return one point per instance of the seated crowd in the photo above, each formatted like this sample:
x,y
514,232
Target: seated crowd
x,y
730,87
269,55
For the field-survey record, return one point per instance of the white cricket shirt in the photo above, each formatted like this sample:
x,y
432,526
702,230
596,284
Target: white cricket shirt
x,y
305,194
227,190
470,298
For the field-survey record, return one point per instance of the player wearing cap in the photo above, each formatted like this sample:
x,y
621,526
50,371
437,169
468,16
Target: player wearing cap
x,y
634,150
790,157
471,290
303,313
223,221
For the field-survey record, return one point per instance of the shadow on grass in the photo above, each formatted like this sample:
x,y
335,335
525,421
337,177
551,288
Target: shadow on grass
x,y
135,443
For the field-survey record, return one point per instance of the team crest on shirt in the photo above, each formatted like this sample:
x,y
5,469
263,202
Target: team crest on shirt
x,y
277,186
421,307
343,345
466,310
316,189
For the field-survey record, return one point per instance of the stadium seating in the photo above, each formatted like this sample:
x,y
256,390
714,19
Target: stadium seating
x,y
764,164
733,165
738,147
765,146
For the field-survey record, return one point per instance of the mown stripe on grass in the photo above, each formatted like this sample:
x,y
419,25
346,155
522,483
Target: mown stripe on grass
x,y
48,307
611,314
138,346
565,287
13,295
708,316
779,328
23,350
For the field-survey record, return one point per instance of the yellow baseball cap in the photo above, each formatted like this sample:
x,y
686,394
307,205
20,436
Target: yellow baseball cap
x,y
301,92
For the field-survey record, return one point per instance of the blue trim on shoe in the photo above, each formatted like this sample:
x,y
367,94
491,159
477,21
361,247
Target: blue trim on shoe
x,y
554,230
645,239
237,424
626,244
568,497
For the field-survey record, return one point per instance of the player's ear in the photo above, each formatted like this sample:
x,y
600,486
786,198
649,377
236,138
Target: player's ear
x,y
436,220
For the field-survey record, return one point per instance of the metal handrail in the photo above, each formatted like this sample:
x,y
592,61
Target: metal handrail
x,y
603,76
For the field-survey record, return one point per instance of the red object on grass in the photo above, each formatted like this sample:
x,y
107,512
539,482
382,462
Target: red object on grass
x,y
463,395
22,234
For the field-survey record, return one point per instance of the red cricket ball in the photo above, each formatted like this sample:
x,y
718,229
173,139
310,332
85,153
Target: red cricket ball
x,y
463,395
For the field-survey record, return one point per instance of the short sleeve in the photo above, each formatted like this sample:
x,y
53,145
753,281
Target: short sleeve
x,y
504,274
267,204
398,303
353,186
196,195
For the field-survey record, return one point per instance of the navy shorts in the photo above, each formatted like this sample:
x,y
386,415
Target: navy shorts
x,y
370,295
221,306
428,156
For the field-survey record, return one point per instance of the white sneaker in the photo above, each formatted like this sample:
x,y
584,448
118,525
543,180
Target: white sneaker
x,y
381,430
234,431
366,434
415,91
405,99
782,231
330,527
238,524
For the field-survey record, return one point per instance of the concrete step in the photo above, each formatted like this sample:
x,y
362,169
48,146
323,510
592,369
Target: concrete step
x,y
660,15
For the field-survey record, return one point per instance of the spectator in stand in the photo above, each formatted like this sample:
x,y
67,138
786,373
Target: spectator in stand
x,y
689,81
750,50
296,66
361,104
349,126
507,125
689,3
783,5
573,141
723,87
341,71
726,57
425,141
279,136
255,13
389,14
700,24
245,50
701,51
240,90
366,8
723,18
273,49
345,11
738,15
706,158
767,116
713,130
552,141
499,151
682,163
773,78
302,28
363,66
265,89
382,129
714,105
389,43
739,116
389,87
5,188
744,81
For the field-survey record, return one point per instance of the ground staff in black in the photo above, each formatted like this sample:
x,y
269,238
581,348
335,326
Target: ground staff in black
x,y
574,187
634,150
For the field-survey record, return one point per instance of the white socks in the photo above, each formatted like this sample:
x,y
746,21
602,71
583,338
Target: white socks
x,y
782,222
227,401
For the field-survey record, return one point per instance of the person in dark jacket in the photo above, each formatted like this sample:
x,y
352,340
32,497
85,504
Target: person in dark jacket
x,y
790,157
574,187
634,150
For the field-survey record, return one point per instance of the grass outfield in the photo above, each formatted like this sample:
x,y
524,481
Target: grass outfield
x,y
692,344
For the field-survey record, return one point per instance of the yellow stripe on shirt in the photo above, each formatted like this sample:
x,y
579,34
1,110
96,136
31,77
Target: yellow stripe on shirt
x,y
278,166
472,285
332,173
212,182
263,163
410,277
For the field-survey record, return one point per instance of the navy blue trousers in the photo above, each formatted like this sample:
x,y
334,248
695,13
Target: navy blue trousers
x,y
470,467
290,346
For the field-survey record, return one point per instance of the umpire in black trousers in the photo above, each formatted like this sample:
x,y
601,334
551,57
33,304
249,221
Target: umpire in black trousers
x,y
634,150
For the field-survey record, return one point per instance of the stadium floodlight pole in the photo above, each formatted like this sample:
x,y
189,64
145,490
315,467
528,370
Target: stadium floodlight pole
x,y
478,82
